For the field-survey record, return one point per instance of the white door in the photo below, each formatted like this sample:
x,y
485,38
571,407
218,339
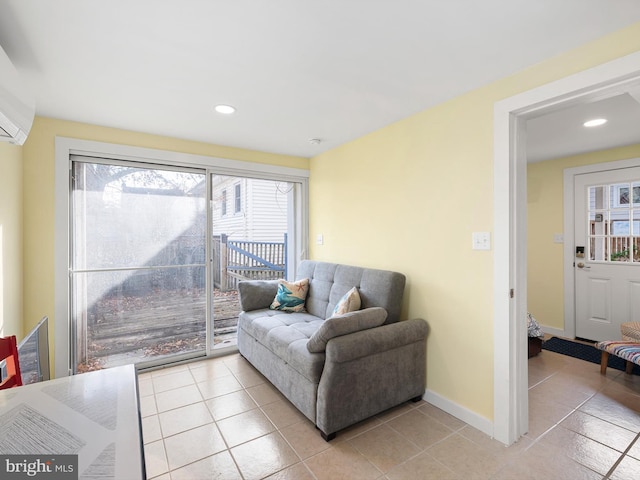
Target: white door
x,y
607,260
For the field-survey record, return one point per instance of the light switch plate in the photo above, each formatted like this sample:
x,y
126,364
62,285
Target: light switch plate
x,y
320,239
481,241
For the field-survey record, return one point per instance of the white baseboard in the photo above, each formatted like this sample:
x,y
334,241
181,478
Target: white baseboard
x,y
556,332
471,418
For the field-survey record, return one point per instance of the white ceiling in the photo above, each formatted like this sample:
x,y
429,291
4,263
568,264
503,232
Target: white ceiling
x,y
562,133
295,69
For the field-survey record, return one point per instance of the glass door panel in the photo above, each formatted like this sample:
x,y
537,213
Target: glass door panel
x,y
138,264
252,224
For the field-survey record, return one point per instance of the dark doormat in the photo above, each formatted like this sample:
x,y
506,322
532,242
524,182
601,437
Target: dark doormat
x,y
588,353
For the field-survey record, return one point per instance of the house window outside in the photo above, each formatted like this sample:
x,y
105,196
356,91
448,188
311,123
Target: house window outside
x,y
238,199
620,197
223,203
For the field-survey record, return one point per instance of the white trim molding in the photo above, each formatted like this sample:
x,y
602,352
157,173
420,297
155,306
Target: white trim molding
x,y
471,418
64,147
510,420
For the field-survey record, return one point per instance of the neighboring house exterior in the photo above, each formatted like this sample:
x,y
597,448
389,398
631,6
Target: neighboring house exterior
x,y
250,209
250,220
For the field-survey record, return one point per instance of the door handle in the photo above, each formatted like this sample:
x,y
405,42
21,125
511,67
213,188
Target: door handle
x,y
583,266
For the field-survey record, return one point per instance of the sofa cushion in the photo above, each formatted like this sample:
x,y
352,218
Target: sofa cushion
x,y
259,322
350,302
344,324
330,281
286,335
291,296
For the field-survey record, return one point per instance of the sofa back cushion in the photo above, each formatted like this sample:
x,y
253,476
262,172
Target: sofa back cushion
x,y
328,282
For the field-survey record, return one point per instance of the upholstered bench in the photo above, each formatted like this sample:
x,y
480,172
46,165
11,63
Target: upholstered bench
x,y
628,351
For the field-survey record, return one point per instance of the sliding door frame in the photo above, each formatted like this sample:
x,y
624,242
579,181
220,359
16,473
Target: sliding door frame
x,y
65,147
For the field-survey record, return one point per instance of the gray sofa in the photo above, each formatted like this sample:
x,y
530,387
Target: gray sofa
x,y
356,369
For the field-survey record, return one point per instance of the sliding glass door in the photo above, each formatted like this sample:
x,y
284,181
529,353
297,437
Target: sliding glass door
x,y
157,251
138,263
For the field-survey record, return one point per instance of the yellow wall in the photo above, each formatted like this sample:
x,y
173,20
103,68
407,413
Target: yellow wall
x,y
409,196
10,240
406,197
38,159
544,219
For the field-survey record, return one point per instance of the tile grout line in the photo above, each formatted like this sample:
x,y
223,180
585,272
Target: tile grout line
x,y
214,422
236,373
557,424
260,409
624,454
543,380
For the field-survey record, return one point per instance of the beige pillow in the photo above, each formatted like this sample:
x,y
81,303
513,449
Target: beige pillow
x,y
350,302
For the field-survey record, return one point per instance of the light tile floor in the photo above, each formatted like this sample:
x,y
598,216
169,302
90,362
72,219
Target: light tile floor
x,y
221,419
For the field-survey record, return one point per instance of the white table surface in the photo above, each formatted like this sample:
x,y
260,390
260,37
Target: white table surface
x,y
94,415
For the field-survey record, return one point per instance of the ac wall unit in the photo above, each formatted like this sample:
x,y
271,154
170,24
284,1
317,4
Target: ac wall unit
x,y
17,106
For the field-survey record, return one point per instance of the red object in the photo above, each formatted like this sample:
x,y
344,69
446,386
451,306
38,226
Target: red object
x,y
9,352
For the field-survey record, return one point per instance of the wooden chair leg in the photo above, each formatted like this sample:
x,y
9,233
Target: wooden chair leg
x,y
604,361
628,367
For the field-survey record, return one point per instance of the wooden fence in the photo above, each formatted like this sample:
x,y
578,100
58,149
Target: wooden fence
x,y
237,260
624,248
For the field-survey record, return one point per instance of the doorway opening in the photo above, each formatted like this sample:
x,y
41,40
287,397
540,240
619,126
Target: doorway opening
x,y
510,200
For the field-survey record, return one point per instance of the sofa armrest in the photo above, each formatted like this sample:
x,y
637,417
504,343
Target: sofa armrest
x,y
257,294
345,324
370,371
375,340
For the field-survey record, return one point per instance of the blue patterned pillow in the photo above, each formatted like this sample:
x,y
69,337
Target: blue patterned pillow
x,y
291,296
350,302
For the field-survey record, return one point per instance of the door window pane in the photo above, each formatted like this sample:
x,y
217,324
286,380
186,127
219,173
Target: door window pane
x,y
620,249
613,224
597,198
597,249
635,224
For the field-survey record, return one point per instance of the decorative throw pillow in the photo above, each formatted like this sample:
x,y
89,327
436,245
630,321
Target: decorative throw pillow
x,y
350,302
291,296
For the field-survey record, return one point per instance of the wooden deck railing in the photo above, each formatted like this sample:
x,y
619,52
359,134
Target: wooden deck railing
x,y
624,248
248,260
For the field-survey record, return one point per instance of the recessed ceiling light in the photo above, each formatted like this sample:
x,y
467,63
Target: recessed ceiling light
x,y
596,122
225,109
